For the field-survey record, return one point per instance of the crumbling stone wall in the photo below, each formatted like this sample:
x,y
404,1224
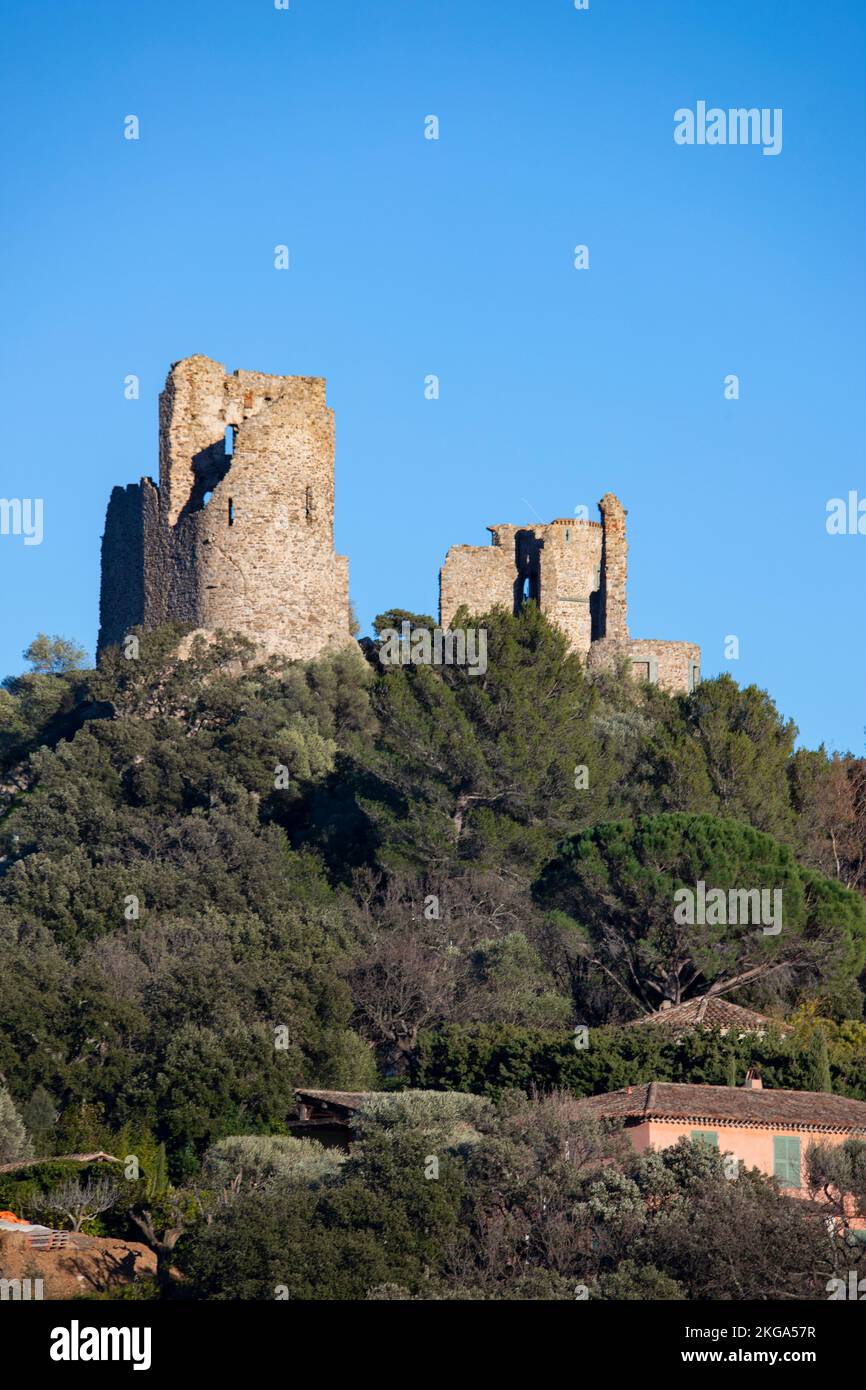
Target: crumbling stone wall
x,y
239,534
570,573
481,577
614,568
674,666
559,566
576,571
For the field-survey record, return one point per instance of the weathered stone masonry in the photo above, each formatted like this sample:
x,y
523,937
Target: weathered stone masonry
x,y
239,534
576,572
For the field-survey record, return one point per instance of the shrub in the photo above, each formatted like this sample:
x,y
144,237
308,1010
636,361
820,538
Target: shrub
x,y
259,1162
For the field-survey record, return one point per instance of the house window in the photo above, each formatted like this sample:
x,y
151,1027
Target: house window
x,y
786,1160
705,1136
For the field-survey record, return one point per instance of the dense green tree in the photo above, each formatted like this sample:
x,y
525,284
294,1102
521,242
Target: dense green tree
x,y
622,885
483,767
747,746
39,1114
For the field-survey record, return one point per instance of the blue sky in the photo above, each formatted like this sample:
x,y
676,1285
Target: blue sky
x,y
455,257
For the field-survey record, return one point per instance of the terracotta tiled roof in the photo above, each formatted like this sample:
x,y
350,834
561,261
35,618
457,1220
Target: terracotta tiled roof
x,y
709,1011
729,1105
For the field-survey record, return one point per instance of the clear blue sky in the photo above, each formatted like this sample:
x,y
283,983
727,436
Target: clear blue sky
x,y
454,257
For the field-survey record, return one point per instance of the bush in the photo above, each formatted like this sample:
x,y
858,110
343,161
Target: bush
x,y
264,1162
425,1111
489,1059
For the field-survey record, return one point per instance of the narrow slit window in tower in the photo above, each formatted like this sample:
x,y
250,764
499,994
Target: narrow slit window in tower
x,y
231,512
308,503
229,445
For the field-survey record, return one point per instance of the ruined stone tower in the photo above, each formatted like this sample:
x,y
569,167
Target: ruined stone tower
x,y
576,572
239,534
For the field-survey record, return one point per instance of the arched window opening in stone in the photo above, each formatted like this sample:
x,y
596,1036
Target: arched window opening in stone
x,y
229,445
204,501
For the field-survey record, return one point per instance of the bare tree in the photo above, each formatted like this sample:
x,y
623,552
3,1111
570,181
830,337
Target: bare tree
x,y
162,1235
415,965
831,802
79,1201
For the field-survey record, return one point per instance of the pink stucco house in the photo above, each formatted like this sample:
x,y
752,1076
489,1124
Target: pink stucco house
x,y
765,1129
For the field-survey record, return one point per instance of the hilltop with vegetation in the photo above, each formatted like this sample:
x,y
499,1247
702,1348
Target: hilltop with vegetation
x,y
221,880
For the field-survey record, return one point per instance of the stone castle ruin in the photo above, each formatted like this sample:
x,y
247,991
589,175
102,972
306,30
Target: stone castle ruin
x,y
576,572
239,536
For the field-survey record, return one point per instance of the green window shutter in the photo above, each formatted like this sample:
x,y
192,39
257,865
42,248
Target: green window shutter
x,y
705,1136
786,1160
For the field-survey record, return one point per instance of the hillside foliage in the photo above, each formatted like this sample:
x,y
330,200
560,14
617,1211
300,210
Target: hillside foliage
x,y
221,880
